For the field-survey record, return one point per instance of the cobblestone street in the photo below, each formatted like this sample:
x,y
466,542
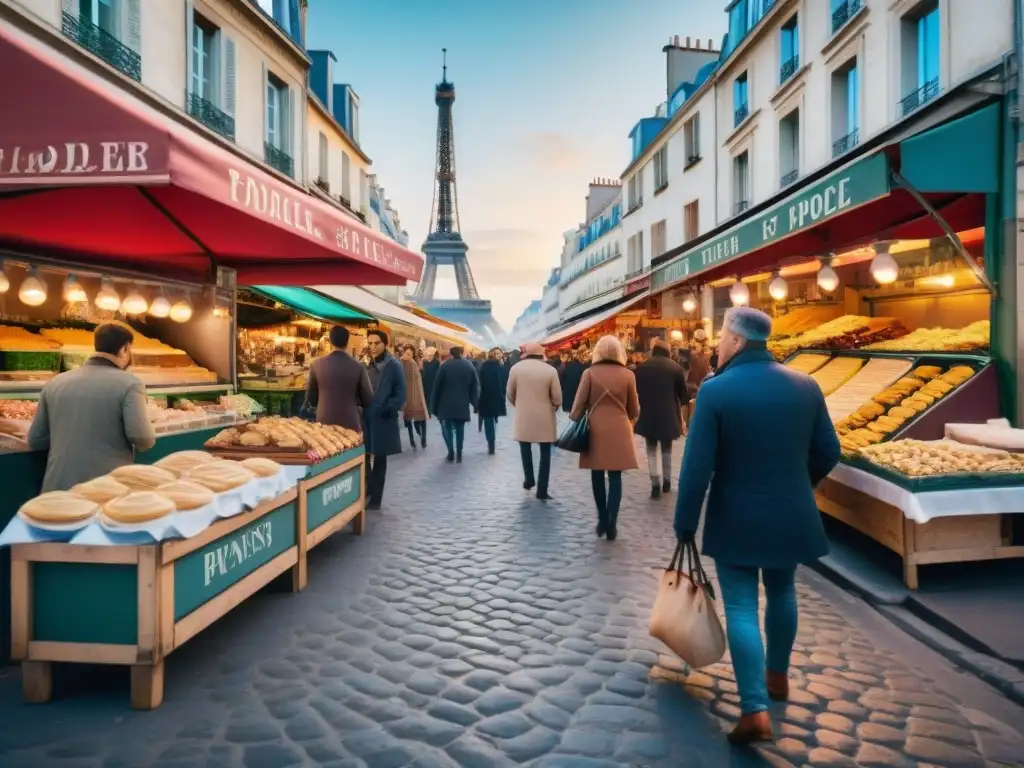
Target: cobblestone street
x,y
476,626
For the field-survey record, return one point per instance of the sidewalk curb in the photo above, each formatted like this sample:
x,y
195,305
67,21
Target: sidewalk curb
x,y
894,605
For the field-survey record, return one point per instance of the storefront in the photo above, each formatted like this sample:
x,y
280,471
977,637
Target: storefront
x,y
619,320
885,279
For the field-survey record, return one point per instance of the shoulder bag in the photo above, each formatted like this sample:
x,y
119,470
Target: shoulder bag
x,y
576,437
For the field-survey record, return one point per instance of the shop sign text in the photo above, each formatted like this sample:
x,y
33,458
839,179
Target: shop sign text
x,y
861,183
258,197
640,284
373,250
334,491
75,157
233,553
333,497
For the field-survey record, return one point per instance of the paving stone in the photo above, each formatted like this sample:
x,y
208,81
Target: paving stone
x,y
875,756
880,733
835,722
498,700
917,726
272,756
942,753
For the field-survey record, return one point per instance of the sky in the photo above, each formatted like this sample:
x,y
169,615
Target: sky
x,y
546,94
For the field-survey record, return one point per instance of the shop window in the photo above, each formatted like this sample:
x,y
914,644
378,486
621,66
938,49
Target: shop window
x,y
790,53
789,148
691,139
740,101
919,59
845,108
741,182
691,221
660,162
657,239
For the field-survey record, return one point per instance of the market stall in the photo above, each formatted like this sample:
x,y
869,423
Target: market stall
x,y
620,320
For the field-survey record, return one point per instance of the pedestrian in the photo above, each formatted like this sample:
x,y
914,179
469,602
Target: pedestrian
x,y
571,376
699,370
414,413
478,361
456,390
492,395
93,419
383,435
338,388
429,370
536,394
608,393
661,389
761,438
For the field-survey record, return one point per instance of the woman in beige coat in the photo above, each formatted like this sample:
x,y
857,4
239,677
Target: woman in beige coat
x,y
535,393
415,411
608,392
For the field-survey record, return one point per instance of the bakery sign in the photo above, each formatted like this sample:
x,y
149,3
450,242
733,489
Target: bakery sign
x,y
859,184
333,497
70,158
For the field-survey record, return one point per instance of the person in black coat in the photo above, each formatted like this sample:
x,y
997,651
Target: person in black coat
x,y
570,380
456,389
430,367
661,388
383,436
492,395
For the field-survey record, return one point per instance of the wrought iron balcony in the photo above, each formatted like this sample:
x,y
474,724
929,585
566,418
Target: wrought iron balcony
x,y
210,115
845,144
741,114
323,183
789,69
922,95
278,158
844,13
741,206
692,159
789,178
103,44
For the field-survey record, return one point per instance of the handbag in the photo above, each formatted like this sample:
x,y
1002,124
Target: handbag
x,y
575,438
684,616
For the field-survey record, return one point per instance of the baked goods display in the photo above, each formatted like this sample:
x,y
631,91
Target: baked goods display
x,y
186,495
917,458
220,476
802,319
972,338
807,362
101,490
835,373
26,356
873,378
183,461
275,434
187,414
138,507
58,508
996,433
846,332
18,410
143,477
261,467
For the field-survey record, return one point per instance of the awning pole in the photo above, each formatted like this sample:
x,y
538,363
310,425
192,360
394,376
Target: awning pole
x,y
183,229
979,273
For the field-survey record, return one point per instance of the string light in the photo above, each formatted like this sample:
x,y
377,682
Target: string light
x,y
33,290
5,284
884,268
739,294
108,299
74,293
778,289
181,311
160,307
134,303
828,280
689,304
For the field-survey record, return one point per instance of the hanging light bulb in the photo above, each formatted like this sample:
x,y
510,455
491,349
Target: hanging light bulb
x,y
160,307
778,289
689,304
181,311
828,280
884,268
108,299
134,303
739,294
33,290
5,284
74,293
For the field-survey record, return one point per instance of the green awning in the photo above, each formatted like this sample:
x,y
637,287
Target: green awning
x,y
312,304
959,156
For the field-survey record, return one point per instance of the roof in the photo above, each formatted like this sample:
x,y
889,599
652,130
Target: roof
x,y
306,302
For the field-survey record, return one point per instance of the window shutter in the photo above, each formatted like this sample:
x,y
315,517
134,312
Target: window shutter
x,y
292,135
189,47
132,26
228,76
266,127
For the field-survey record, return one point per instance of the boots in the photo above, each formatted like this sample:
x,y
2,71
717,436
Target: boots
x,y
412,437
655,489
778,685
602,524
751,729
666,486
490,447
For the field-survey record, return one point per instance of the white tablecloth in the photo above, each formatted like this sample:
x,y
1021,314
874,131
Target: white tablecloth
x,y
924,506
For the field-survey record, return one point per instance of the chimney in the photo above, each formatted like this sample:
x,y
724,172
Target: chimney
x,y
683,62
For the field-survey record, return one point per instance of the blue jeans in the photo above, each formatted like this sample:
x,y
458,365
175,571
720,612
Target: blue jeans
x,y
607,501
489,425
454,433
740,597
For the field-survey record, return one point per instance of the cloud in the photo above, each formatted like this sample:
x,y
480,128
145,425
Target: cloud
x,y
554,151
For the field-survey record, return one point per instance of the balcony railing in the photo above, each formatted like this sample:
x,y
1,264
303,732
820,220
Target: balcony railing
x,y
844,13
279,159
789,178
692,159
210,115
922,95
103,44
741,206
742,113
324,184
845,144
789,69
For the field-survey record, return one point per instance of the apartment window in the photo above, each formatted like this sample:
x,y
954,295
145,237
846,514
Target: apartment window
x,y
635,254
353,110
346,177
789,148
657,239
277,113
660,162
790,53
204,60
919,42
691,221
364,193
323,158
635,190
110,29
691,139
100,13
845,108
740,99
843,11
741,182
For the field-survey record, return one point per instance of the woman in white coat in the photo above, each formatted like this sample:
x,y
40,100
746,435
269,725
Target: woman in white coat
x,y
536,394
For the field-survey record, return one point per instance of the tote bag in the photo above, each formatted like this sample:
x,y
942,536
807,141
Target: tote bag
x,y
575,438
684,617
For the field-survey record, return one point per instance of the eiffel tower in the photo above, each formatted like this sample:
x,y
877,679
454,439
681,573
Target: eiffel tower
x,y
444,245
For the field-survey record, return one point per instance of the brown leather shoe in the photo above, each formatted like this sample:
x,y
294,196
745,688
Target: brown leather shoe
x,y
778,685
752,728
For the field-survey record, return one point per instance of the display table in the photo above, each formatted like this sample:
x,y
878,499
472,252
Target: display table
x,y
134,605
924,528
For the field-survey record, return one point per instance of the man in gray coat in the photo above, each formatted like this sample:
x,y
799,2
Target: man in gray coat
x,y
93,419
339,386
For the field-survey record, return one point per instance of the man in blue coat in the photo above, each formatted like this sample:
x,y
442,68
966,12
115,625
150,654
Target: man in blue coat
x,y
761,438
456,390
383,436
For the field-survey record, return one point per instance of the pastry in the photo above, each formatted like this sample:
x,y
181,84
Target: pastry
x,y
261,467
101,490
254,438
902,413
186,495
221,476
138,507
224,437
183,461
58,507
927,371
143,477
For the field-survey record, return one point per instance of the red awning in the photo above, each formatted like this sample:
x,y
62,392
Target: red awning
x,y
90,173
